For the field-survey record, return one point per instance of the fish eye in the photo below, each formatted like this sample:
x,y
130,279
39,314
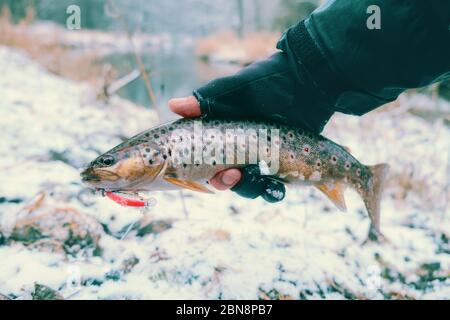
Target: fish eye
x,y
106,160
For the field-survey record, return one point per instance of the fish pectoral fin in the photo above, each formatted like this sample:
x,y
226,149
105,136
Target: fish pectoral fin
x,y
334,192
191,185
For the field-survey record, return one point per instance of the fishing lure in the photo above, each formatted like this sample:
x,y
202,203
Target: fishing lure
x,y
130,202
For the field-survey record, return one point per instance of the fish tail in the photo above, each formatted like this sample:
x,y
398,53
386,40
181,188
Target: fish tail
x,y
372,194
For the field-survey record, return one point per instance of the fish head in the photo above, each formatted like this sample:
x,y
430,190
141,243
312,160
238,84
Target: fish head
x,y
127,167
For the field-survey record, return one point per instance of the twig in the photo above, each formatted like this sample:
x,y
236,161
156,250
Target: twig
x,y
118,15
183,203
128,230
122,82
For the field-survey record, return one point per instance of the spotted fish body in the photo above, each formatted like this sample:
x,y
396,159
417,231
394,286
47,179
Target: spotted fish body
x,y
166,157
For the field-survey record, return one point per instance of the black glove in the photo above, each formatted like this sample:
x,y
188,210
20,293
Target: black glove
x,y
253,185
271,90
332,64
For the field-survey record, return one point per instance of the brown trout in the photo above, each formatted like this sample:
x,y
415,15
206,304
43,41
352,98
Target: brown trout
x,y
188,152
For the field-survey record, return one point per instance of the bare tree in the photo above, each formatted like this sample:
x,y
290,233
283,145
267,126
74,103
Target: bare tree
x,y
240,9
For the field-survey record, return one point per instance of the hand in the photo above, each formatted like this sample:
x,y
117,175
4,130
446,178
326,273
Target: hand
x,y
249,183
277,89
189,107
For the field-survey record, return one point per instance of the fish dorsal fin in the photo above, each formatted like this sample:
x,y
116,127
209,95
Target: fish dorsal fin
x,y
191,185
334,192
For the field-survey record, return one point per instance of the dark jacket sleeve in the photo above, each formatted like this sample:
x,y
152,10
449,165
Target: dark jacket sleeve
x,y
359,68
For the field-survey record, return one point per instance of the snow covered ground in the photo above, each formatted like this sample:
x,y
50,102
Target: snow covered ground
x,y
55,233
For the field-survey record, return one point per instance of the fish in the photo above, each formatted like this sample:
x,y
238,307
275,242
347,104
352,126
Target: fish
x,y
186,153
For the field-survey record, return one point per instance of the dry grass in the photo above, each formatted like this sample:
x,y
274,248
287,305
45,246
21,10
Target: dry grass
x,y
225,46
48,51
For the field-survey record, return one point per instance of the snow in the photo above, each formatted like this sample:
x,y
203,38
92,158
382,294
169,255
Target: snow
x,y
227,247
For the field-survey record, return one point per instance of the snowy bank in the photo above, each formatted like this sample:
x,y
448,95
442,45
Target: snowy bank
x,y
225,247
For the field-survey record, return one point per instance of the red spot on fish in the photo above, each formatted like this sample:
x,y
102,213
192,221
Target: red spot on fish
x,y
306,149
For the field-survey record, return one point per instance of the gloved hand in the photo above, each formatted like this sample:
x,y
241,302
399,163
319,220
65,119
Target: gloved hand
x,y
327,64
248,182
277,89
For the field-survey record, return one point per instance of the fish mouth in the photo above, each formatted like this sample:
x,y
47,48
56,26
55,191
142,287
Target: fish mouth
x,y
88,175
98,175
105,180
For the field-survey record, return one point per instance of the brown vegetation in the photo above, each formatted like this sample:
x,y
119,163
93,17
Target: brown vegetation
x,y
226,46
49,51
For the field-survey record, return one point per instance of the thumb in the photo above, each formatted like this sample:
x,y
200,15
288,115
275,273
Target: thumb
x,y
187,107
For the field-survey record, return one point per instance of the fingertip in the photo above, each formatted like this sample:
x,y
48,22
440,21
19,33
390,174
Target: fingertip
x,y
231,177
187,107
226,179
